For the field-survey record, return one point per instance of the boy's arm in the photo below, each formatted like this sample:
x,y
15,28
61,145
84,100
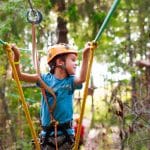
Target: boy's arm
x,y
22,76
84,66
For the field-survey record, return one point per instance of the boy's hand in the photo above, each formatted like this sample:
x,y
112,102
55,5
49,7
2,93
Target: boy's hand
x,y
16,52
86,50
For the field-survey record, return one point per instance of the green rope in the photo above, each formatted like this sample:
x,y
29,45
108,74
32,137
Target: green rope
x,y
2,42
111,11
22,49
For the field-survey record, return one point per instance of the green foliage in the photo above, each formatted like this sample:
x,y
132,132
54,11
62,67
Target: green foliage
x,y
72,13
44,6
25,144
138,140
97,19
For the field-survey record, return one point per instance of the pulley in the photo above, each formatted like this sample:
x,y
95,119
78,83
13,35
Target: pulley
x,y
34,16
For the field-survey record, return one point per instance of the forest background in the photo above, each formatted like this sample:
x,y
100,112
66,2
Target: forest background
x,y
124,101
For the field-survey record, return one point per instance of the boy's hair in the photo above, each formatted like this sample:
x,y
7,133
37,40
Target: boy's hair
x,y
53,64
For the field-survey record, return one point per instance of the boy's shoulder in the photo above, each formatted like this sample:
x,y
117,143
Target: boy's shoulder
x,y
49,76
46,75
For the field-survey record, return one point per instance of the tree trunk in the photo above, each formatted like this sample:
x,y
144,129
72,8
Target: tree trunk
x,y
61,23
61,30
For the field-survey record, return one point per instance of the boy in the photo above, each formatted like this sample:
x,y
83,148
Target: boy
x,y
62,79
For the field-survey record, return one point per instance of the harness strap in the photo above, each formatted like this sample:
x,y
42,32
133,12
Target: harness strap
x,y
66,125
60,127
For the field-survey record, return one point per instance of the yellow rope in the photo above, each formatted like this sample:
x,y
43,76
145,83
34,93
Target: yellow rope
x,y
93,47
10,57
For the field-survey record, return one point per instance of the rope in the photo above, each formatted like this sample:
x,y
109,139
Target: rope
x,y
22,98
2,42
110,13
36,66
33,15
93,47
44,86
51,109
34,52
98,36
30,5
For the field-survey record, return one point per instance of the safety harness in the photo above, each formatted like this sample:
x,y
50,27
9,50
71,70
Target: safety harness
x,y
60,127
54,125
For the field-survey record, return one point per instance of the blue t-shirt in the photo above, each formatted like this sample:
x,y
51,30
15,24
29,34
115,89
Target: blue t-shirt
x,y
64,89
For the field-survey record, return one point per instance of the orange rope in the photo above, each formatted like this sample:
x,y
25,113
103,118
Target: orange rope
x,y
34,52
44,86
22,98
93,47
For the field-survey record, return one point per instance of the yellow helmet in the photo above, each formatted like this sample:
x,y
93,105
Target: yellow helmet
x,y
59,49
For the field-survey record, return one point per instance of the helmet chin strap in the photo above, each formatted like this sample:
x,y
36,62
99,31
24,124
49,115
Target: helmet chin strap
x,y
63,67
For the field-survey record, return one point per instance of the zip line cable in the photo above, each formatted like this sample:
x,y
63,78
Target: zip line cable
x,y
93,47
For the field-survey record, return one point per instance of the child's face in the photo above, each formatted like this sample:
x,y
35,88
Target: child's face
x,y
71,63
